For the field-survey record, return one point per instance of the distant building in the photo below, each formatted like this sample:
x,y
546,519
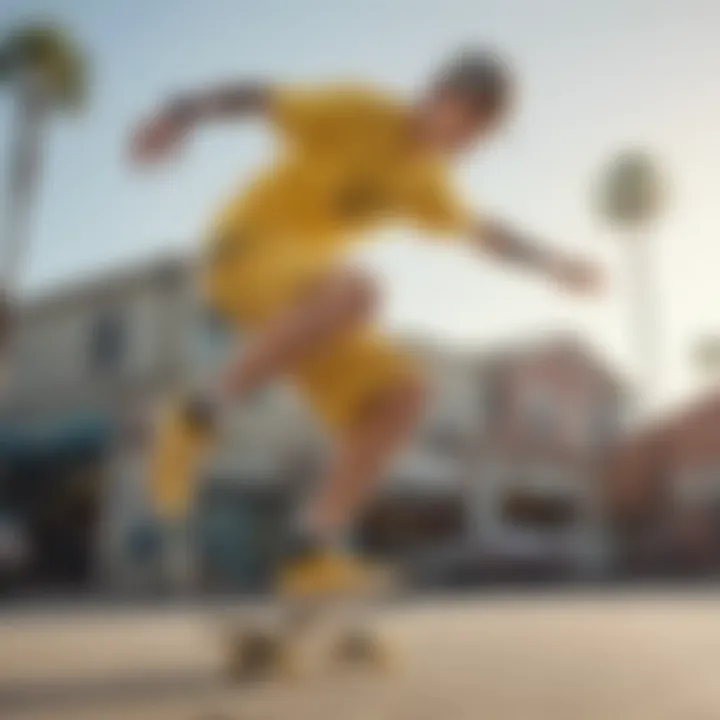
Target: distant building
x,y
664,490
91,361
549,415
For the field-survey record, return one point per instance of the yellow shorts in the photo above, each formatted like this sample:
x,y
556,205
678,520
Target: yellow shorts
x,y
250,282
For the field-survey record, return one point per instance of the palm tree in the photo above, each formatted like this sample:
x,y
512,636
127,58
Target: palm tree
x,y
632,196
45,71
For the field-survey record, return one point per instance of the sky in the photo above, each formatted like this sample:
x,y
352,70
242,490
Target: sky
x,y
595,78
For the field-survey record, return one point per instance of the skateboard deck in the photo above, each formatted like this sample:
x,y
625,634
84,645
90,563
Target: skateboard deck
x,y
287,639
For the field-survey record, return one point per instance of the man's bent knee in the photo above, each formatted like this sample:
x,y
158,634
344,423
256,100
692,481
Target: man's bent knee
x,y
352,296
402,403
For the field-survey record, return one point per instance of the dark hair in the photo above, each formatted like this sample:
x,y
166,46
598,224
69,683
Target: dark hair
x,y
480,75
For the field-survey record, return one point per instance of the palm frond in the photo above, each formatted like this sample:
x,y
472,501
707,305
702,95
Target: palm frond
x,y
8,60
51,51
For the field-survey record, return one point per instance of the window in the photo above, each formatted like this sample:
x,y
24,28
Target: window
x,y
699,486
539,511
495,400
213,340
540,411
445,439
108,343
607,422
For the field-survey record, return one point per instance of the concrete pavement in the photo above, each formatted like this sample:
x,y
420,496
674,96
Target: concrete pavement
x,y
504,657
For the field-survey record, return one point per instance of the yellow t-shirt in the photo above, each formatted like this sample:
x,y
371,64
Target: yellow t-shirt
x,y
347,164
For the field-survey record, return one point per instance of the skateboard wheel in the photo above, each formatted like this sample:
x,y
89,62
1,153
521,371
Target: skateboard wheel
x,y
364,648
257,654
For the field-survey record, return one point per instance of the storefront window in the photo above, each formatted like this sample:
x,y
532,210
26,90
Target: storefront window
x,y
539,511
239,535
108,343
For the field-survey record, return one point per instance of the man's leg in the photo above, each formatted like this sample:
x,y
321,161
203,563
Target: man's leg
x,y
372,398
338,304
363,454
334,306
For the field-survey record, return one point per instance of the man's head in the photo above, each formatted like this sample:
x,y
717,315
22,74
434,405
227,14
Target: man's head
x,y
466,100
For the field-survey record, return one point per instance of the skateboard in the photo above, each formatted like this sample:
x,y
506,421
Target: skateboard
x,y
288,639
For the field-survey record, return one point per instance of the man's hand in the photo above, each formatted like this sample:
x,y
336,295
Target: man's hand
x,y
504,243
160,137
577,276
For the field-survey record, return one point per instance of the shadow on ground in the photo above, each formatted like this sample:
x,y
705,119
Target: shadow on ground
x,y
130,690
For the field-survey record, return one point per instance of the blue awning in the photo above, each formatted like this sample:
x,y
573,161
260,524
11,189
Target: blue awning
x,y
77,431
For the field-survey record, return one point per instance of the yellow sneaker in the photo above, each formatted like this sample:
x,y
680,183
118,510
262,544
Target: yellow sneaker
x,y
262,654
365,647
331,574
178,448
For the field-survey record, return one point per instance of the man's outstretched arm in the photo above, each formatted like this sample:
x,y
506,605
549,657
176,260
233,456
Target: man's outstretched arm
x,y
225,101
163,133
498,240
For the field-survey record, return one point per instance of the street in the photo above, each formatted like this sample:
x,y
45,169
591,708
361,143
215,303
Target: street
x,y
501,657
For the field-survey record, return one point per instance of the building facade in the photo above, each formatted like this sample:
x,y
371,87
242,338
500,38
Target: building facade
x,y
554,413
664,486
546,418
90,361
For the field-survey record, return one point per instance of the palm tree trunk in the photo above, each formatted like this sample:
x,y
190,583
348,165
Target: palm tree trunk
x,y
645,323
26,148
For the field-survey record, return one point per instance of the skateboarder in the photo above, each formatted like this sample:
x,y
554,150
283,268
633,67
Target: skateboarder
x,y
350,159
